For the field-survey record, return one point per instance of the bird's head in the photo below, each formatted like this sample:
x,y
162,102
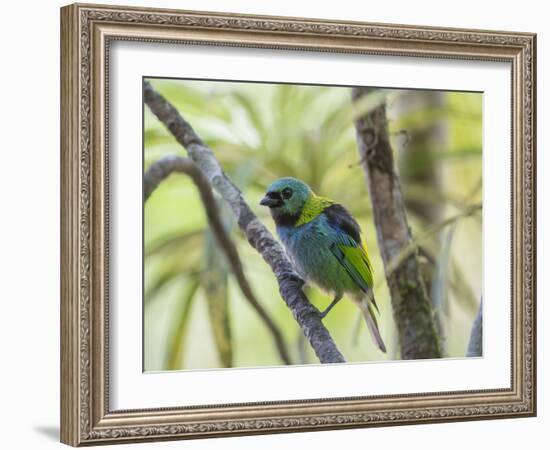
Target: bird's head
x,y
285,198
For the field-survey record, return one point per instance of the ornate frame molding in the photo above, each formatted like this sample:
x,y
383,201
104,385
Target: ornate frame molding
x,y
86,31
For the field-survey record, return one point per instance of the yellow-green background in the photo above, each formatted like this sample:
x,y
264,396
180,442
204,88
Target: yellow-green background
x,y
260,132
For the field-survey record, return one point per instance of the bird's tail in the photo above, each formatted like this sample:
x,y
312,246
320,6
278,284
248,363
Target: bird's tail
x,y
367,308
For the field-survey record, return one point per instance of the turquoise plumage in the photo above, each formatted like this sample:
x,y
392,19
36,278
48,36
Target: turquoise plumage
x,y
324,242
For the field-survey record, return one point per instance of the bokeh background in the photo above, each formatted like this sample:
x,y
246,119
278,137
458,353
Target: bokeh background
x,y
195,316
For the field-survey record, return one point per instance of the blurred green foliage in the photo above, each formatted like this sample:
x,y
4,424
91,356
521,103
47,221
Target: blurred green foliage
x,y
195,316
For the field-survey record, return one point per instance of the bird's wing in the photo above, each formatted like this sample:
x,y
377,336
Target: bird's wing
x,y
348,247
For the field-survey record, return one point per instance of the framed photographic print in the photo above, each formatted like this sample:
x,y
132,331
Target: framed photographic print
x,y
276,224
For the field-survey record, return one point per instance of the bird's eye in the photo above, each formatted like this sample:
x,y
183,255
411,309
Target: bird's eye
x,y
287,193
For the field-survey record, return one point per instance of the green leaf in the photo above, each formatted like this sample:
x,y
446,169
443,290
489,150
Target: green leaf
x,y
174,242
174,358
462,289
215,284
153,137
247,103
169,262
440,279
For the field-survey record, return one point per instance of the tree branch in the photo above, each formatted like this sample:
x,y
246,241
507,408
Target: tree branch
x,y
160,170
290,284
411,305
475,346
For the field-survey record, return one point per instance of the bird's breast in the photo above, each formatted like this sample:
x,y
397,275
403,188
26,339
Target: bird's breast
x,y
309,247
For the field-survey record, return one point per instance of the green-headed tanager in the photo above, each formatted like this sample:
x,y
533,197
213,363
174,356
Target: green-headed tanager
x,y
324,242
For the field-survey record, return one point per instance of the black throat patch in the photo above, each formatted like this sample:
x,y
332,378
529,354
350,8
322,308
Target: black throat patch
x,y
284,219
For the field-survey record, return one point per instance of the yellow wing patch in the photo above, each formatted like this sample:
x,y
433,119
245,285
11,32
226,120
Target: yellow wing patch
x,y
360,263
314,206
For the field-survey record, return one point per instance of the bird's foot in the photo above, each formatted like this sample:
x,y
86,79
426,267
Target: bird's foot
x,y
329,307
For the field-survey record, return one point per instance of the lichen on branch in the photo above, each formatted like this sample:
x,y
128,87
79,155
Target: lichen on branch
x,y
412,308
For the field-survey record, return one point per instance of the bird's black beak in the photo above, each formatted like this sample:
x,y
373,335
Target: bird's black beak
x,y
266,201
270,202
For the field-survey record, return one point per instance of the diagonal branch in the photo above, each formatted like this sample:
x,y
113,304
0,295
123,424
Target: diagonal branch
x,y
411,305
160,170
290,284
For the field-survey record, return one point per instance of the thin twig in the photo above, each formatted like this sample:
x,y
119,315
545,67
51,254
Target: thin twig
x,y
414,245
290,284
160,170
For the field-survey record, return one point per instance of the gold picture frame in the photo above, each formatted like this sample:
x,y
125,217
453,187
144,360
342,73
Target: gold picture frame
x,y
86,32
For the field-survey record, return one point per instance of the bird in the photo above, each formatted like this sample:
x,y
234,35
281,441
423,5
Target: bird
x,y
323,240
